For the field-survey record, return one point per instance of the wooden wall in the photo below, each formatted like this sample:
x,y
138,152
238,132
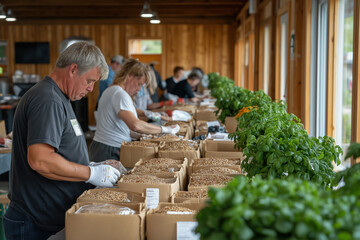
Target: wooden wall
x,y
209,46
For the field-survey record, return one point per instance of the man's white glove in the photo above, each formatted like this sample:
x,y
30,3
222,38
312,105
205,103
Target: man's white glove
x,y
103,175
173,129
154,116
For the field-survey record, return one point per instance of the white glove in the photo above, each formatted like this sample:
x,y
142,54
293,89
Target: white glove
x,y
154,116
103,176
173,129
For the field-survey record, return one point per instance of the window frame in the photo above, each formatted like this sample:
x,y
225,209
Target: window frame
x,y
284,9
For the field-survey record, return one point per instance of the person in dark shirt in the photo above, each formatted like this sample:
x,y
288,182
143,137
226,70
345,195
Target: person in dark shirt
x,y
50,163
173,80
183,89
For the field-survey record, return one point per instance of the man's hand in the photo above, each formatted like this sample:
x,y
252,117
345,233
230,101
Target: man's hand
x,y
103,176
173,129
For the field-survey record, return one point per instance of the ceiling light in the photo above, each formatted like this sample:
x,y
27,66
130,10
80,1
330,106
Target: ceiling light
x,y
155,19
2,12
146,11
10,16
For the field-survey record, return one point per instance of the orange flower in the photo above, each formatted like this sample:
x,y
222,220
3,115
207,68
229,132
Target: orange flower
x,y
245,110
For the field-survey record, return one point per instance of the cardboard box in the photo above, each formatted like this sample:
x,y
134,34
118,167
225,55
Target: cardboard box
x,y
163,226
184,126
189,154
166,190
179,199
180,173
230,124
200,132
129,155
194,172
132,196
161,139
221,149
206,114
2,128
192,187
105,226
194,167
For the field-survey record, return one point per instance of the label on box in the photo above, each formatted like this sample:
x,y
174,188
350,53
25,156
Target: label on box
x,y
152,198
186,231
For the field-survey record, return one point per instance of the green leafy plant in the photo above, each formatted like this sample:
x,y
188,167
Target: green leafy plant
x,y
230,101
276,144
267,209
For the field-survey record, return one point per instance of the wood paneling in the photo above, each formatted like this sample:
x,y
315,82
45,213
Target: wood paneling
x,y
331,67
209,46
355,124
306,63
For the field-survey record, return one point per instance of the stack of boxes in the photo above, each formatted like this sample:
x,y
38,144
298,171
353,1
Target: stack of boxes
x,y
181,170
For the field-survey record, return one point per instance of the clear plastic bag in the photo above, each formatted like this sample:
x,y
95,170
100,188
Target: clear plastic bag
x,y
105,209
114,163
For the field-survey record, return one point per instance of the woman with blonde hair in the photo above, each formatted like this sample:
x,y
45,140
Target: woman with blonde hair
x,y
117,117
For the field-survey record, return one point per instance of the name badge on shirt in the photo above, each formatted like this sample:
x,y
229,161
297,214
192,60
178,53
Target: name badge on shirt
x,y
76,127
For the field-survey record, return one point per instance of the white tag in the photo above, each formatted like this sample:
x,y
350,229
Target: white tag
x,y
152,198
213,123
178,213
186,230
76,127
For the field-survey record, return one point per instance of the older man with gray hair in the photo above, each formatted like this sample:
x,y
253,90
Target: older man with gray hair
x,y
50,162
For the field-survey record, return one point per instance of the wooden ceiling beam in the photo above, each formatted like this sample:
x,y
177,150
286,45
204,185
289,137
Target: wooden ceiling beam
x,y
12,3
86,21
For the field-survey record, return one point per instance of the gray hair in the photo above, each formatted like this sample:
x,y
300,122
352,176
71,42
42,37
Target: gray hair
x,y
86,55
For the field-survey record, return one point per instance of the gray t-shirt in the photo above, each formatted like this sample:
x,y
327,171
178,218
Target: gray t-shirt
x,y
45,115
110,128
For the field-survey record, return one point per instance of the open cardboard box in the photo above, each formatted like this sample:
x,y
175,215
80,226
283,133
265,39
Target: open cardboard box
x,y
192,187
180,154
163,226
206,114
166,190
105,226
194,167
129,155
131,196
233,167
180,173
221,149
179,199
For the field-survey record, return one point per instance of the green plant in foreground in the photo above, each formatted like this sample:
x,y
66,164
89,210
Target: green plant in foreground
x,y
267,209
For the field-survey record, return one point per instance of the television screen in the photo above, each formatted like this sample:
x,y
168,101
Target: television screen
x,y
32,52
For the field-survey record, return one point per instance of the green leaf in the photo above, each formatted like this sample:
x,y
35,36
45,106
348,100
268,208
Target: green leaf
x,y
283,226
301,230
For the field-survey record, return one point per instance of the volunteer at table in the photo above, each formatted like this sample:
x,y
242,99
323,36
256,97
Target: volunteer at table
x,y
117,117
49,167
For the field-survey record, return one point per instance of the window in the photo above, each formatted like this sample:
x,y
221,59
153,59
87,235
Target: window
x,y
246,65
145,46
284,22
318,68
265,58
344,77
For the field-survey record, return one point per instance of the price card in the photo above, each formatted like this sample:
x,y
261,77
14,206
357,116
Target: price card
x,y
213,123
152,198
186,231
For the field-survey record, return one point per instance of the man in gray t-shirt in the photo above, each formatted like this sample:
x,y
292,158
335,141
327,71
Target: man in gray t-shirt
x,y
50,163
